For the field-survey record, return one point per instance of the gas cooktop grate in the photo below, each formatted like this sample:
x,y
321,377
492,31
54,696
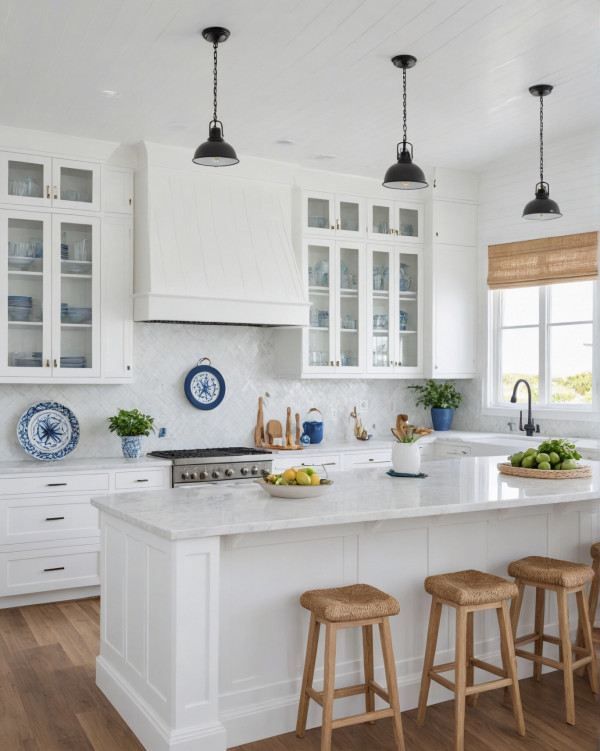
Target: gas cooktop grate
x,y
208,453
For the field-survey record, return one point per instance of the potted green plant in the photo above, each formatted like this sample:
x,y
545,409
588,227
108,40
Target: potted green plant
x,y
442,398
130,426
406,457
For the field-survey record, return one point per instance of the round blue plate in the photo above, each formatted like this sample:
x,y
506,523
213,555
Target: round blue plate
x,y
48,431
204,386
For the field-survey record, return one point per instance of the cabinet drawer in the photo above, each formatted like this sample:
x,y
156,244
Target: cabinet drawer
x,y
364,460
141,478
43,570
29,519
331,462
55,483
443,452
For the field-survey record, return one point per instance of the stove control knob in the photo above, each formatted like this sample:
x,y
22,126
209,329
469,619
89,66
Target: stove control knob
x,y
254,471
244,471
229,473
216,474
193,476
203,475
185,476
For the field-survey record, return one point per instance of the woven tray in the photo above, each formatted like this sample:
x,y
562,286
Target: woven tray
x,y
546,474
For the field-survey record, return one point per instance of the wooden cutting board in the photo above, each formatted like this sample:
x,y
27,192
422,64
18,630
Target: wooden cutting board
x,y
274,430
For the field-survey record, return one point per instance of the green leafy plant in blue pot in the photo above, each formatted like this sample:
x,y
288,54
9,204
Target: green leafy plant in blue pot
x,y
441,398
130,426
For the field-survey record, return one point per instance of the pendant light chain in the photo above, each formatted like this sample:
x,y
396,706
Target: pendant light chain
x,y
541,139
215,46
404,108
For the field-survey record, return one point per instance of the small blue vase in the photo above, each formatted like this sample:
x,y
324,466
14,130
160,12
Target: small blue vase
x,y
442,417
132,446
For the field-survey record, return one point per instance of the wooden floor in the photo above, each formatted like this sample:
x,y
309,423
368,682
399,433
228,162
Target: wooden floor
x,y
49,700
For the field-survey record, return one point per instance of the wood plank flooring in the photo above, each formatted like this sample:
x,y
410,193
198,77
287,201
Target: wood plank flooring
x,y
49,701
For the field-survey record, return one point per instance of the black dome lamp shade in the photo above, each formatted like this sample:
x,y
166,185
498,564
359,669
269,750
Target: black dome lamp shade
x,y
542,207
404,174
215,152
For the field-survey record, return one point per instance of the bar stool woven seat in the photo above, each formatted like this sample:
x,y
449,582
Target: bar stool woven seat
x,y
352,603
470,587
551,571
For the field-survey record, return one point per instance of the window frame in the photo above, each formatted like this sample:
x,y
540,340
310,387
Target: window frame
x,y
492,391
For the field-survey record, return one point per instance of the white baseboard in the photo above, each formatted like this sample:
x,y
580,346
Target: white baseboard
x,y
54,595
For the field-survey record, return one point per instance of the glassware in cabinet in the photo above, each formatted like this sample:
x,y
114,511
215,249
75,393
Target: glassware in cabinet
x,y
25,179
379,310
349,308
333,214
408,344
319,281
393,220
76,185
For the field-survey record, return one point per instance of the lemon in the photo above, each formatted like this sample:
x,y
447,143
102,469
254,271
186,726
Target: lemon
x,y
289,474
302,478
315,479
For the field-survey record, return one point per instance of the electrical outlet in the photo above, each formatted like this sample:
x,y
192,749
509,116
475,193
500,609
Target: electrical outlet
x,y
363,404
333,412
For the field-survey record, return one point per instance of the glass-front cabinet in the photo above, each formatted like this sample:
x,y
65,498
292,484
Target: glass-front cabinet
x,y
394,310
44,181
394,220
326,214
334,340
50,278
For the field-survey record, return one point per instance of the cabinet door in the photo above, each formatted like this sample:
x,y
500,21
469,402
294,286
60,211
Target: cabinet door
x,y
25,283
318,213
380,307
454,299
319,356
116,296
380,219
75,185
349,310
408,312
117,190
25,179
455,223
349,217
76,296
408,222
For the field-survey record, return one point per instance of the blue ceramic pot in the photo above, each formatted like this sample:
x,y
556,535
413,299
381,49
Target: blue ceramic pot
x,y
132,446
442,417
314,430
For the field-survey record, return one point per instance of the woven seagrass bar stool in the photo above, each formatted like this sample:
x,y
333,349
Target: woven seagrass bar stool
x,y
595,588
336,609
564,578
469,591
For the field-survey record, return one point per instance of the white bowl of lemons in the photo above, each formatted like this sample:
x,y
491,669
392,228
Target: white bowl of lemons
x,y
295,483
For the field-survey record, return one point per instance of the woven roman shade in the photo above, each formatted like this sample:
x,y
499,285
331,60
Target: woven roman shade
x,y
533,263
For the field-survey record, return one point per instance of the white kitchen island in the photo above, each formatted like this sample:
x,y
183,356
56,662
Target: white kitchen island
x,y
202,635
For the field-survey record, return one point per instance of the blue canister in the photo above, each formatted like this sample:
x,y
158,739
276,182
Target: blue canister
x,y
313,429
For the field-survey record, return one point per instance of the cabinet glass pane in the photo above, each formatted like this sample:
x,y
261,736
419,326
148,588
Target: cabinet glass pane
x,y
319,257
76,296
349,216
25,292
381,309
380,221
408,222
349,319
76,185
408,310
318,213
25,179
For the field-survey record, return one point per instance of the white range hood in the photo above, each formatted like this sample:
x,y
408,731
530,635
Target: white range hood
x,y
213,248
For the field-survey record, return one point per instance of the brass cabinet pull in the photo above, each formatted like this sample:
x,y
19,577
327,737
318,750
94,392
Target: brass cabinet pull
x,y
337,223
129,367
56,363
337,363
55,484
54,518
55,193
47,191
331,362
130,201
47,363
56,568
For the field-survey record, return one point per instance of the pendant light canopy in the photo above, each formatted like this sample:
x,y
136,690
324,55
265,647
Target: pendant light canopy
x,y
542,207
404,175
215,152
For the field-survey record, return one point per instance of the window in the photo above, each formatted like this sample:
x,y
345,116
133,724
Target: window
x,y
545,335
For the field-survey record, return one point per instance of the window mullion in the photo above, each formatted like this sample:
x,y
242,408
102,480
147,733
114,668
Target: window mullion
x,y
544,348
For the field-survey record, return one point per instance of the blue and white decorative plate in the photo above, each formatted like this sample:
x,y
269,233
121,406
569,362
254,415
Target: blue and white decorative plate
x,y
48,431
204,386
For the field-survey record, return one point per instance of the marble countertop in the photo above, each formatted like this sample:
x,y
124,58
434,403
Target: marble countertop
x,y
35,466
452,486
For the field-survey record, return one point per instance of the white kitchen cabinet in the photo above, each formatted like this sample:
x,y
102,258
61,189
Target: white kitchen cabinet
x,y
282,461
455,185
333,215
366,459
395,220
394,310
446,450
454,223
117,190
31,180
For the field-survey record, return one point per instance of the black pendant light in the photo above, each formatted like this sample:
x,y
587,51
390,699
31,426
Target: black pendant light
x,y
215,152
542,207
404,175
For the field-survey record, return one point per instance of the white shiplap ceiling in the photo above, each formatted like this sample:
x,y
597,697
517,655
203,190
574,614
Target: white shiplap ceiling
x,y
317,72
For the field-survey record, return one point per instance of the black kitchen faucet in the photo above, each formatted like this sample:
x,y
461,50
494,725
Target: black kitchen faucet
x,y
530,427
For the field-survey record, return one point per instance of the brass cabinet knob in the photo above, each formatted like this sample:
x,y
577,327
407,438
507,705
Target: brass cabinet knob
x,y
47,191
55,193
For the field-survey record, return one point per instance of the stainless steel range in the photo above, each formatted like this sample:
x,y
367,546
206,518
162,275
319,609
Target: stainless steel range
x,y
235,464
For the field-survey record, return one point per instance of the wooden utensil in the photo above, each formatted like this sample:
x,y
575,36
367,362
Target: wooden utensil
x,y
259,430
400,421
297,429
274,430
288,428
397,434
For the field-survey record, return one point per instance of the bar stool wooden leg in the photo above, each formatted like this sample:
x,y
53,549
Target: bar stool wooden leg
x,y
472,699
509,663
567,655
540,607
432,635
515,607
391,680
328,685
367,633
460,678
309,671
594,589
586,629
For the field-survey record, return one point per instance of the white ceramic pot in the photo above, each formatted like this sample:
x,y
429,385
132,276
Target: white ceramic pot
x,y
406,458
